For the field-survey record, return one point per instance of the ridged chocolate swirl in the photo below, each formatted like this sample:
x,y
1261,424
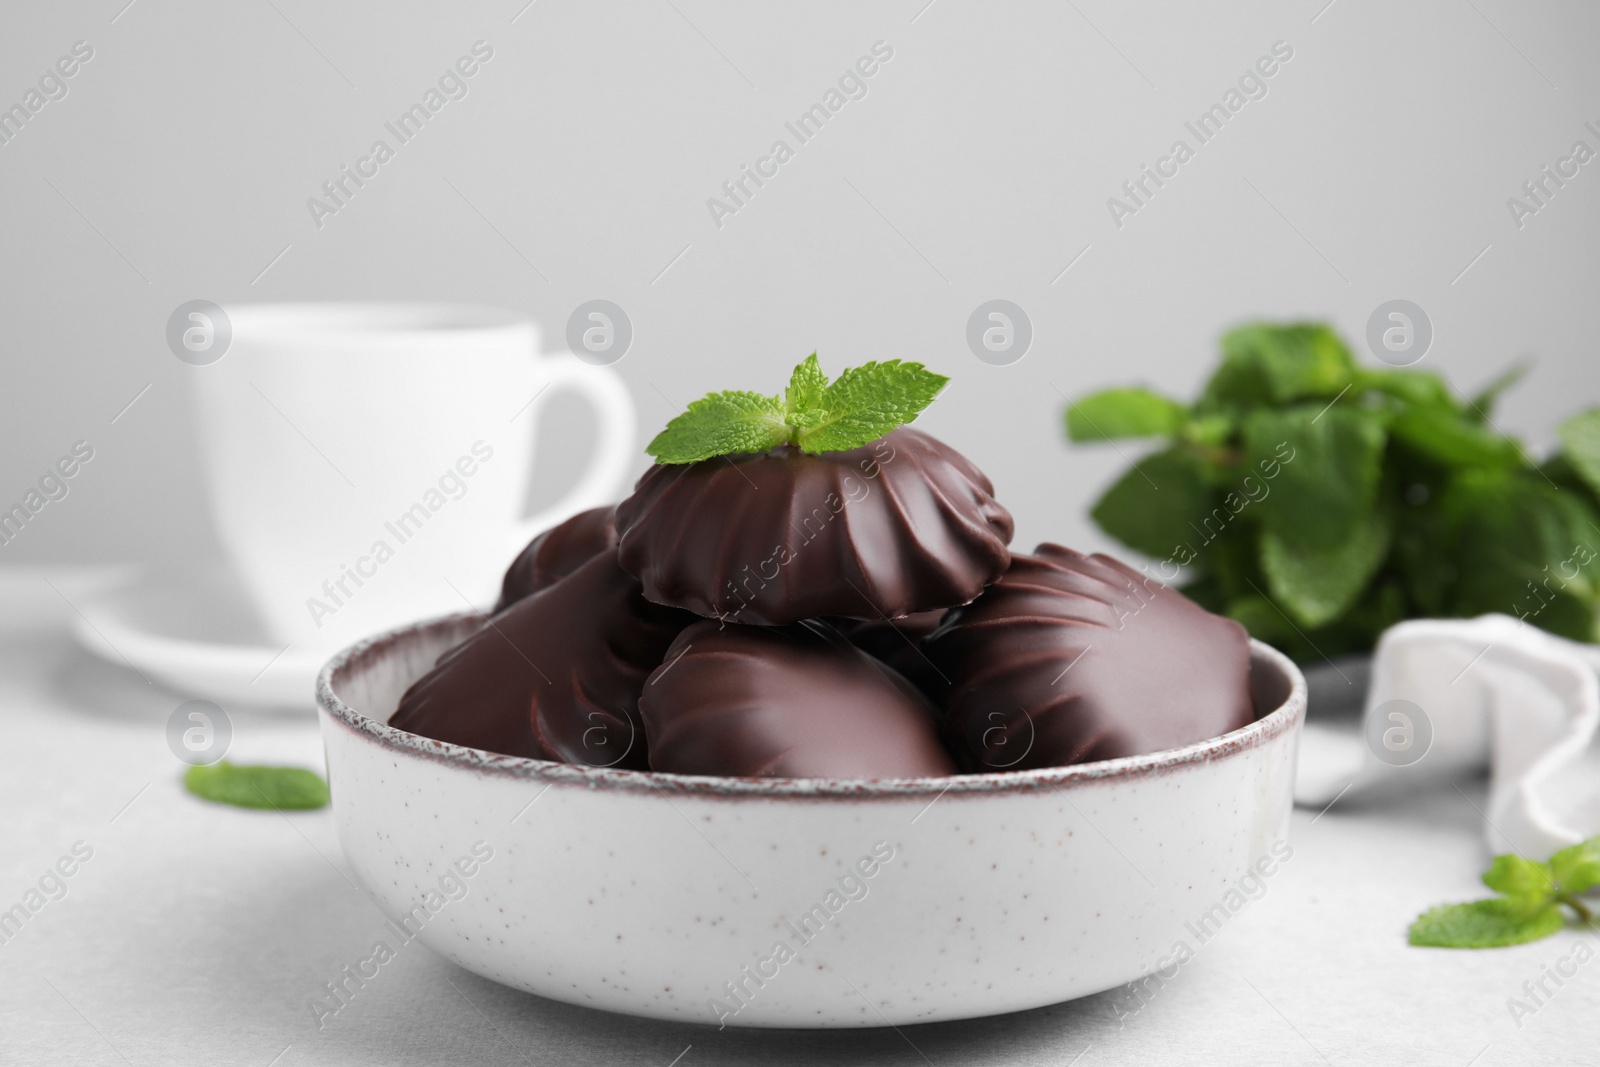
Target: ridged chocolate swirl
x,y
905,524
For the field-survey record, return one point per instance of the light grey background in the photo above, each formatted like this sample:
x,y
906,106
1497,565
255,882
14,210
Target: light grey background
x,y
977,167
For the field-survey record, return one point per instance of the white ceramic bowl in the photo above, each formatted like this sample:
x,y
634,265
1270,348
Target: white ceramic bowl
x,y
796,902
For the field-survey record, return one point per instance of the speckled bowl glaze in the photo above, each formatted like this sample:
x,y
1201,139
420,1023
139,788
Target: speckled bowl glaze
x,y
795,902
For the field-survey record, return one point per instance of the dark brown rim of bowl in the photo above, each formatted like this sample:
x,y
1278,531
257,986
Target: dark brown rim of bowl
x,y
1280,720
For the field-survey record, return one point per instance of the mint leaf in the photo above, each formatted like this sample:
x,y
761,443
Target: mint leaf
x,y
720,424
1416,387
1577,868
1582,543
1212,430
1264,363
802,402
1519,549
1524,881
1485,401
1485,924
1424,559
1580,441
1150,508
1118,413
1330,459
255,786
868,401
1453,440
1317,585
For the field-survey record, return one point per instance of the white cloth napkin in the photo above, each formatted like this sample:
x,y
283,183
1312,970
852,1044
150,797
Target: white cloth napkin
x,y
1491,691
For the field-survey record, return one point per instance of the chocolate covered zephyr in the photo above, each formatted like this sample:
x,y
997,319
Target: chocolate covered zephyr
x,y
1071,658
785,702
901,525
556,553
555,676
804,586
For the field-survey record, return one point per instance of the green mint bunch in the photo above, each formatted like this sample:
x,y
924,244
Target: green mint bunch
x,y
1528,907
1319,502
257,786
813,415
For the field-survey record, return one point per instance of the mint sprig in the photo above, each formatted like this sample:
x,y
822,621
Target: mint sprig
x,y
1529,905
257,786
813,415
1320,501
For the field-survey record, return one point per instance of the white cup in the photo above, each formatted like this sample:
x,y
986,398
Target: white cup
x,y
369,463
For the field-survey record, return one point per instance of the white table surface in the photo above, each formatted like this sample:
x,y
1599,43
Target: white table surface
x,y
197,933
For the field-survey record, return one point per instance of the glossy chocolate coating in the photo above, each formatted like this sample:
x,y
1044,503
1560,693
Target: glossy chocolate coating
x,y
1071,658
898,642
903,525
785,702
555,676
556,553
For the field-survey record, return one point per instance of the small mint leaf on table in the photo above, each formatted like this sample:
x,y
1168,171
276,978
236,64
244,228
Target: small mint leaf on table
x,y
1529,909
721,424
1485,924
1523,881
257,786
1577,868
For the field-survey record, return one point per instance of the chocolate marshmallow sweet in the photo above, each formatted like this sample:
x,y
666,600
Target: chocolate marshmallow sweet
x,y
1070,658
785,702
902,525
558,552
555,676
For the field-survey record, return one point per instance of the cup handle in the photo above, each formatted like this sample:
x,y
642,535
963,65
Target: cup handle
x,y
608,464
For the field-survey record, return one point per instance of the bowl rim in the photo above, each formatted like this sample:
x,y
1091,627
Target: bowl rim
x,y
1282,719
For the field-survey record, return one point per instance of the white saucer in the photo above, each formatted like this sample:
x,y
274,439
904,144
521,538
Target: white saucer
x,y
193,629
